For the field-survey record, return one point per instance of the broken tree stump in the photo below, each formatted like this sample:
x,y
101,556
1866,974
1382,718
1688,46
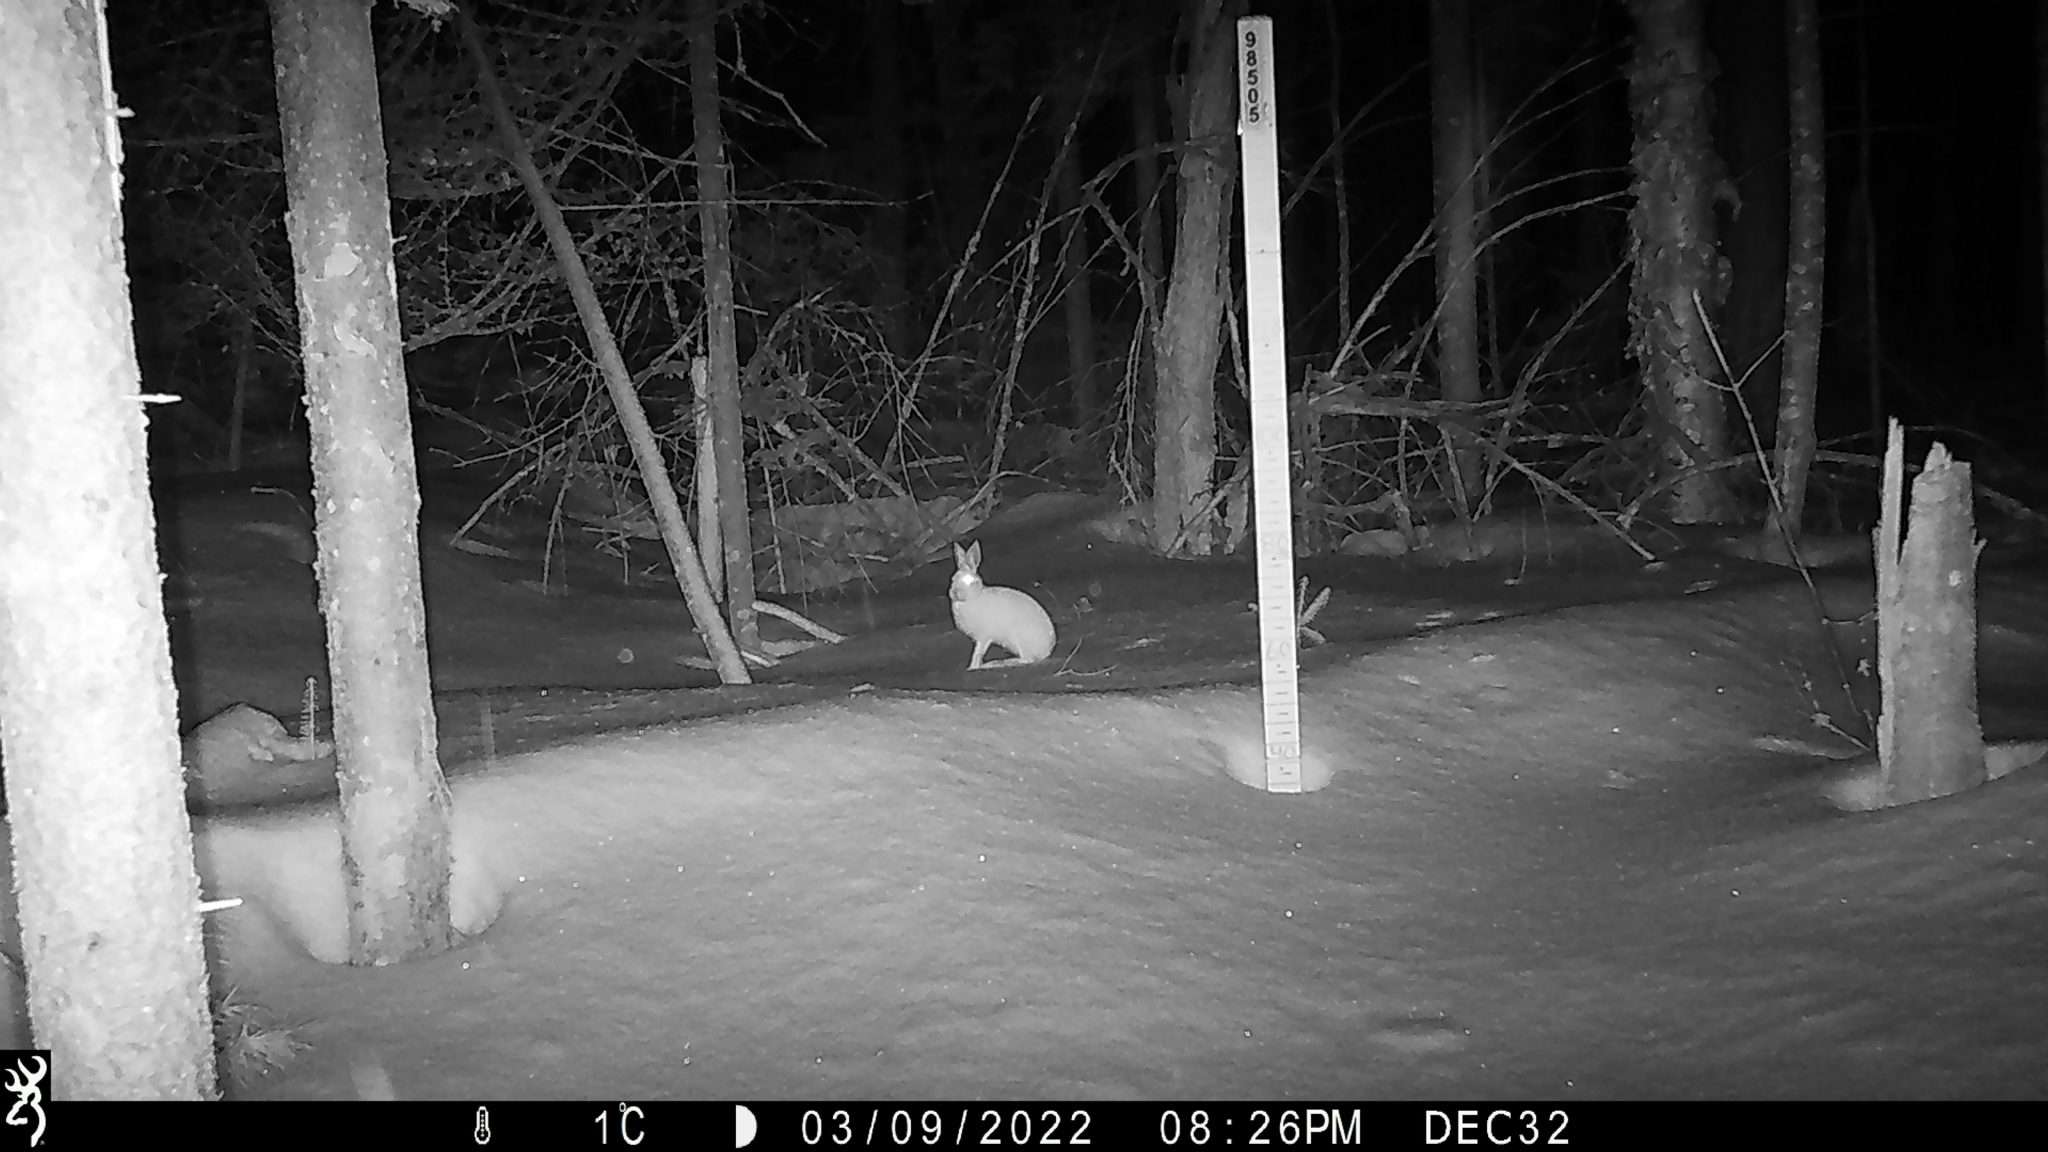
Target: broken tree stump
x,y
1929,740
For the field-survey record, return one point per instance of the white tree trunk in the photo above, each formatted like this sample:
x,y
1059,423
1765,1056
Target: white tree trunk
x,y
107,893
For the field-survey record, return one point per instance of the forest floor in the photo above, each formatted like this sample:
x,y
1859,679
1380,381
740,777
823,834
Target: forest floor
x,y
1574,847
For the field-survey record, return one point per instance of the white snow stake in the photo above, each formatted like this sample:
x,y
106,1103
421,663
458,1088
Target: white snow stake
x,y
1272,498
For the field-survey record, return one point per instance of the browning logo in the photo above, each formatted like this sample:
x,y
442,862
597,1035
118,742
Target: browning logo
x,y
25,1073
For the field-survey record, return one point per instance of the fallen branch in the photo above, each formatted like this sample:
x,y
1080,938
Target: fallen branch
x,y
798,619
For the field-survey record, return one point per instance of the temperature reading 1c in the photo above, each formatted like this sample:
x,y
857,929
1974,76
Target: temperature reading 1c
x,y
631,1130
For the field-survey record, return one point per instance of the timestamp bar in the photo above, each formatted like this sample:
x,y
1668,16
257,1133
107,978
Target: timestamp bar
x,y
1109,1125
561,1126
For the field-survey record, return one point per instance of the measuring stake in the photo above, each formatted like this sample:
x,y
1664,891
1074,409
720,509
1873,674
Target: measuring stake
x,y
1272,497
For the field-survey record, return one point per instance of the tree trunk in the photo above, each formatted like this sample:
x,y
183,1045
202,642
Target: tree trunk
x,y
728,431
661,490
1077,300
1145,90
1863,235
1808,258
1929,740
704,477
1145,166
2041,166
1457,156
242,363
1754,239
885,134
953,115
366,499
108,895
1340,185
1679,278
1187,342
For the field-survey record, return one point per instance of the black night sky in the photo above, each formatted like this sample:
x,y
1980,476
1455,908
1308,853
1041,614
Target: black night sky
x,y
1944,104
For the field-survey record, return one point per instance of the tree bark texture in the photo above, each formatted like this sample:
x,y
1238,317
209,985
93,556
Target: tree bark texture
x,y
1929,740
102,847
366,499
1188,339
1676,260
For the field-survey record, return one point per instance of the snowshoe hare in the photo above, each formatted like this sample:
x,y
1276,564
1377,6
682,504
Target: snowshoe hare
x,y
999,616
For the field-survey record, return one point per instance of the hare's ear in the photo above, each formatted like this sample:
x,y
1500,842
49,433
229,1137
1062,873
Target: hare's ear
x,y
960,559
974,554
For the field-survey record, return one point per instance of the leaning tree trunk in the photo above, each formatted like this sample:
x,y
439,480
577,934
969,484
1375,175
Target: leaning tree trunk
x,y
1679,276
1452,100
107,894
728,431
366,497
604,348
1808,258
1186,346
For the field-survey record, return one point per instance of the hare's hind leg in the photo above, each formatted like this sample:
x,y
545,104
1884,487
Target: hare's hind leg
x,y
1013,660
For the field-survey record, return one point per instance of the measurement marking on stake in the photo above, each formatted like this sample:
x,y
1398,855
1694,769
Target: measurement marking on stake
x,y
1272,503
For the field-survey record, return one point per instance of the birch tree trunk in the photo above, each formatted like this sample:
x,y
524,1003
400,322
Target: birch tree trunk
x,y
366,501
107,893
1679,278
